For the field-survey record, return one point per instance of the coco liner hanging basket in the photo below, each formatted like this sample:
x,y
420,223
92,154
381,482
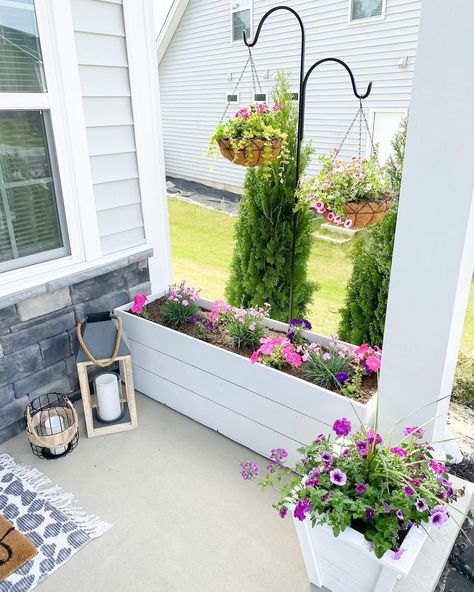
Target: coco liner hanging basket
x,y
365,213
257,152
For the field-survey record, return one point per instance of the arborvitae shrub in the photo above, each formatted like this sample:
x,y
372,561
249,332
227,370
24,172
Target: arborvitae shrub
x,y
260,269
363,315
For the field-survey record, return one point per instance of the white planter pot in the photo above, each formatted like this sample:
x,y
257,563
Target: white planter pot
x,y
257,406
346,563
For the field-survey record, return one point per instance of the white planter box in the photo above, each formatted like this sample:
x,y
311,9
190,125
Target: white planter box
x,y
257,406
346,563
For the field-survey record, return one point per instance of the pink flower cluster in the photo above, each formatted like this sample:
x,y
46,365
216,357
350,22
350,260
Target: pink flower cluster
x,y
219,310
369,357
182,293
222,311
138,303
278,345
321,208
261,108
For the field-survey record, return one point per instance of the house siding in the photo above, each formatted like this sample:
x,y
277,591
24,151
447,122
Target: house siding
x,y
199,58
103,70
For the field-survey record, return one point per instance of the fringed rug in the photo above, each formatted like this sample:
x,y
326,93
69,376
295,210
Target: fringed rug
x,y
49,517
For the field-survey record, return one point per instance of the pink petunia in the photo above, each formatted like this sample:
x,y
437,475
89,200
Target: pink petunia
x,y
140,299
137,308
373,363
330,216
277,107
337,220
348,223
254,357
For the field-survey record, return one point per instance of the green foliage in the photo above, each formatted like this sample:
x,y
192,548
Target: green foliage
x,y
363,314
463,387
322,366
260,269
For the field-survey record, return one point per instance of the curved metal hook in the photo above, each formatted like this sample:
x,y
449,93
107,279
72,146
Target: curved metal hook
x,y
349,71
264,18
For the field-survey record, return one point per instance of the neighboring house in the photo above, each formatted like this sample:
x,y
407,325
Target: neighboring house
x,y
81,173
201,55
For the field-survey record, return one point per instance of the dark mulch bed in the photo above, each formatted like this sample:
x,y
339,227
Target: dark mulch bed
x,y
220,338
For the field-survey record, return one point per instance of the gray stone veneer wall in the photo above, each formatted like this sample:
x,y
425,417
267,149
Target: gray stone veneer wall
x,y
38,340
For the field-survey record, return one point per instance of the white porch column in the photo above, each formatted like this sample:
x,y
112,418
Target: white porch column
x,y
434,244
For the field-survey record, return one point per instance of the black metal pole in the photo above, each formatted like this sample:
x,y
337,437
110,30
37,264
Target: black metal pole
x,y
301,114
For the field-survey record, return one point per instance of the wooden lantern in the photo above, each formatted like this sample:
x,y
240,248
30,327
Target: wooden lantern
x,y
101,347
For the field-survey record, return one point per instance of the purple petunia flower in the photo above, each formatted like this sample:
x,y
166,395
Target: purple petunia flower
x,y
399,514
397,554
437,519
290,336
249,470
370,513
282,511
399,451
320,438
338,477
326,497
362,447
301,323
342,426
386,507
345,452
327,457
278,454
341,377
421,505
409,491
361,488
371,436
301,509
414,431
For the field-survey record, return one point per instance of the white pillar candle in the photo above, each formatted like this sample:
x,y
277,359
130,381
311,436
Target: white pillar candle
x,y
54,424
108,396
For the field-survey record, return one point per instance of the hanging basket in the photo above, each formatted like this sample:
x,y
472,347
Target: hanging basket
x,y
365,213
256,153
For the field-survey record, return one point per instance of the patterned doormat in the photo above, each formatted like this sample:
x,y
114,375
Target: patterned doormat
x,y
49,517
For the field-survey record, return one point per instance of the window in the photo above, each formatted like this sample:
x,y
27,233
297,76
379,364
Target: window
x,y
364,9
260,97
295,96
241,18
232,97
32,227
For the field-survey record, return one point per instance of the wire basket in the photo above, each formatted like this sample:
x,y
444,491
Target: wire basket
x,y
52,427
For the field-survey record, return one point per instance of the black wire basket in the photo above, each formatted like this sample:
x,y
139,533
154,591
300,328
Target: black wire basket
x,y
52,426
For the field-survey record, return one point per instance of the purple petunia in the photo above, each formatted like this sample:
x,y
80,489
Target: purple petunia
x,y
342,426
399,451
369,513
371,436
414,431
421,505
362,447
361,488
282,511
345,452
338,477
386,507
437,519
326,497
320,438
399,514
278,454
409,490
249,470
301,323
327,457
313,479
341,377
301,509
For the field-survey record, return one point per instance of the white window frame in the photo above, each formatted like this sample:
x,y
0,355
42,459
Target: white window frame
x,y
371,121
232,22
63,101
228,94
369,19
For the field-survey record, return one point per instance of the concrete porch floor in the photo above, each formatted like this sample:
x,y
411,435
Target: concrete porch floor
x,y
183,519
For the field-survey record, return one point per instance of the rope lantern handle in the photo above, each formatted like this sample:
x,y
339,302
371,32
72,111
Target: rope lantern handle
x,y
31,428
106,362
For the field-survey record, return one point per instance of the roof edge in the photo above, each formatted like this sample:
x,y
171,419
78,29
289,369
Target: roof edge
x,y
170,25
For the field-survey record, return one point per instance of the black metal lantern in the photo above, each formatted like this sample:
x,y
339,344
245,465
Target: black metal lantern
x,y
52,427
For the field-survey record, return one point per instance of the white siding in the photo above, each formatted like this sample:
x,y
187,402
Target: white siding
x,y
103,70
199,58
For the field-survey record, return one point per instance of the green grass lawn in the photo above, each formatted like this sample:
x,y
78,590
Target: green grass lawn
x,y
201,246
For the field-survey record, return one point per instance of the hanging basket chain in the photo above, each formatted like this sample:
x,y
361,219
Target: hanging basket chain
x,y
235,88
255,78
360,115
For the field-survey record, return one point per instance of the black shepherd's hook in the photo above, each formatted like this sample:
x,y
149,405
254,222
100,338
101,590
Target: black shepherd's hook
x,y
301,113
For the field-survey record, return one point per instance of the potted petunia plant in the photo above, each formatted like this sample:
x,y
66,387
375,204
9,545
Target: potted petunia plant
x,y
357,498
353,194
253,137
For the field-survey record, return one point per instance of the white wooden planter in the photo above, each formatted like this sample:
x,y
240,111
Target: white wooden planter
x,y
257,406
346,563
